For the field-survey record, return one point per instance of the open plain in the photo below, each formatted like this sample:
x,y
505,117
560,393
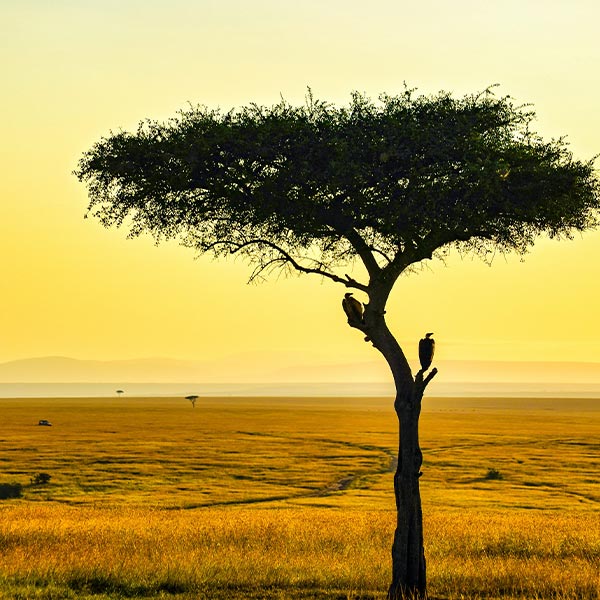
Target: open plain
x,y
292,498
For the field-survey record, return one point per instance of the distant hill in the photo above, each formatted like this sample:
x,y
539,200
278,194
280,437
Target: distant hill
x,y
252,369
59,369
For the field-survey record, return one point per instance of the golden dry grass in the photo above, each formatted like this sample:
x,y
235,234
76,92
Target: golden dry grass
x,y
292,498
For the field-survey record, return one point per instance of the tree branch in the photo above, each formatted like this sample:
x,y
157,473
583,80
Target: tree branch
x,y
363,250
429,377
381,253
421,383
285,257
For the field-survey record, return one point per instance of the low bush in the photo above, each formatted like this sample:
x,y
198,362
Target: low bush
x,y
493,474
40,479
10,490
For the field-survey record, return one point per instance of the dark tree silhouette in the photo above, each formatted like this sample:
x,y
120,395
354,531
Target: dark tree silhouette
x,y
192,399
314,188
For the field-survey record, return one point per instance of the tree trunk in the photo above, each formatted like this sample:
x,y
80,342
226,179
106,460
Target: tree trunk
x,y
408,557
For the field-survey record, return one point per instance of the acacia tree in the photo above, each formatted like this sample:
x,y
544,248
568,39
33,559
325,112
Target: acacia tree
x,y
313,188
192,399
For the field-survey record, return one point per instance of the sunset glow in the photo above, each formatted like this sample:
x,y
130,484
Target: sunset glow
x,y
72,72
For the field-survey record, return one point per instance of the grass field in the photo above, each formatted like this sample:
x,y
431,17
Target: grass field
x,y
292,498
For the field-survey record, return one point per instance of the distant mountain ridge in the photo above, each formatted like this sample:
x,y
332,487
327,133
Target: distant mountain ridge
x,y
59,369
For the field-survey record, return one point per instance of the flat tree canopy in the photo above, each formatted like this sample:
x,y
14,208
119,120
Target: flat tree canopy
x,y
315,187
310,187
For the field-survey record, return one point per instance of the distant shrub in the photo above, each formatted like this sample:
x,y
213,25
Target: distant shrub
x,y
10,490
493,474
40,479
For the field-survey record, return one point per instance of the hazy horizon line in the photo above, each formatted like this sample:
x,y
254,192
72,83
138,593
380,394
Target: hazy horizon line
x,y
294,389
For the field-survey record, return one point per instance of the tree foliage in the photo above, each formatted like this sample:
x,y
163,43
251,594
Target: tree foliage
x,y
315,186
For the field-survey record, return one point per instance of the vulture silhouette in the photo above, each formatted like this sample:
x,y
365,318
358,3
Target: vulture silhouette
x,y
353,308
426,350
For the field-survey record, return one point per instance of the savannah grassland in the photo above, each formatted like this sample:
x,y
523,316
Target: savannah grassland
x,y
292,498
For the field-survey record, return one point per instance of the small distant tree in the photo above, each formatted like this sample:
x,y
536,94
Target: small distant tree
x,y
192,399
314,188
120,393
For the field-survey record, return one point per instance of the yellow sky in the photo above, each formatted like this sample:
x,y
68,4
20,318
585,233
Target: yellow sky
x,y
72,71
